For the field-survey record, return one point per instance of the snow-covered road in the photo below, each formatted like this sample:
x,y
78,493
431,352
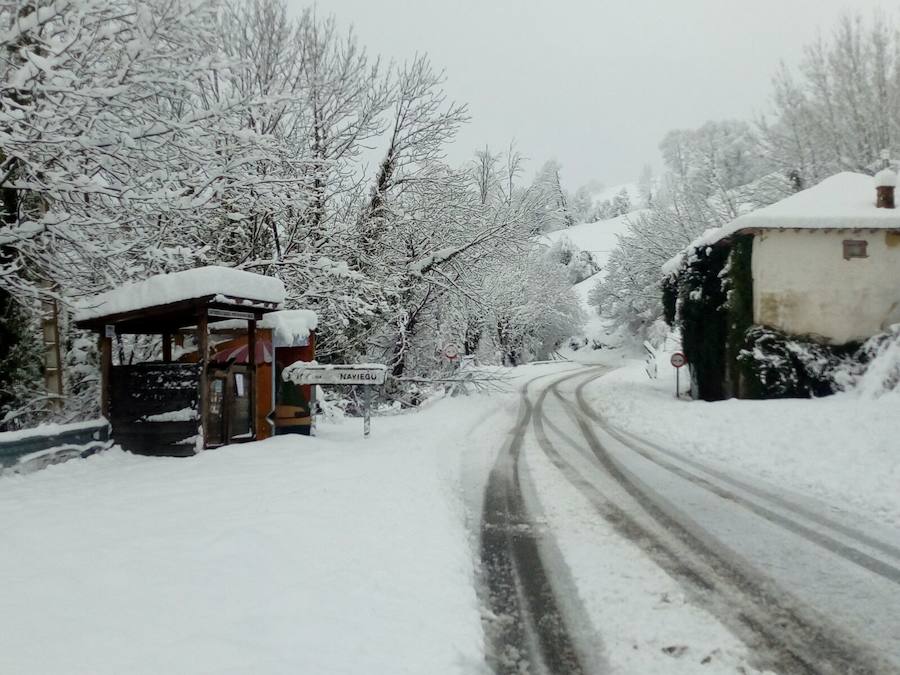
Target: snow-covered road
x,y
654,562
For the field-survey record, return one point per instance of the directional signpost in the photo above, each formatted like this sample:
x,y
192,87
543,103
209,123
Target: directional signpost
x,y
367,375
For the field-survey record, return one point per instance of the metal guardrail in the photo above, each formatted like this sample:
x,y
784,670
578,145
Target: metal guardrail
x,y
30,450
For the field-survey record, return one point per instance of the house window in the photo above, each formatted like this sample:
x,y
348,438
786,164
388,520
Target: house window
x,y
855,248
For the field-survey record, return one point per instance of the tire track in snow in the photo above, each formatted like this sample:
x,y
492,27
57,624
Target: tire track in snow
x,y
526,628
753,607
628,439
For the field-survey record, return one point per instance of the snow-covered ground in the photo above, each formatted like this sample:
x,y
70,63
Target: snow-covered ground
x,y
343,555
842,449
292,555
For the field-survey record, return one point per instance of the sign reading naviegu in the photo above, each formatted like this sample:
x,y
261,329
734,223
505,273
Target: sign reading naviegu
x,y
231,314
303,373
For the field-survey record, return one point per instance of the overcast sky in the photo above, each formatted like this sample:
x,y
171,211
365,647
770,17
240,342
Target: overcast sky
x,y
594,83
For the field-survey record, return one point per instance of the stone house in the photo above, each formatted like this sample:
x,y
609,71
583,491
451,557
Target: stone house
x,y
822,264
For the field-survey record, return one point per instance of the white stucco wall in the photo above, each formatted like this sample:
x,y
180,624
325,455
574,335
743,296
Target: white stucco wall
x,y
803,285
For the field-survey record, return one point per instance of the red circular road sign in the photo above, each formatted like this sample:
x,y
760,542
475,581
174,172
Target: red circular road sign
x,y
451,351
678,359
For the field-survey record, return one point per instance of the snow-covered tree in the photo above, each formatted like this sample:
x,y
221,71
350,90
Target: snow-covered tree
x,y
619,205
579,264
646,187
581,203
534,308
553,213
842,107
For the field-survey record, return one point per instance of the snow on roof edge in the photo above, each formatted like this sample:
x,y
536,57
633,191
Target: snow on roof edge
x,y
843,201
164,289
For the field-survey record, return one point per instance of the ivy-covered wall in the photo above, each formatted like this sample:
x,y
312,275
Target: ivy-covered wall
x,y
738,284
669,288
702,317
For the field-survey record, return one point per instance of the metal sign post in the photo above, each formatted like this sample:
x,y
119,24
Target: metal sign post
x,y
678,360
451,353
366,375
367,411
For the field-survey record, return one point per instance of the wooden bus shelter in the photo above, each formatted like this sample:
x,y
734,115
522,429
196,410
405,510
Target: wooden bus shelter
x,y
166,406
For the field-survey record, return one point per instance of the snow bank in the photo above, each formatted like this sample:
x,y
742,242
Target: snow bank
x,y
168,288
292,555
842,449
881,375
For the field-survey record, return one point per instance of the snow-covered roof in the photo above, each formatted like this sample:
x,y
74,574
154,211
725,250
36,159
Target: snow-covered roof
x,y
223,283
886,178
290,327
842,201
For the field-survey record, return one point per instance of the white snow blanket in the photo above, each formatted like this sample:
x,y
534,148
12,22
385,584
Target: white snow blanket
x,y
294,555
164,289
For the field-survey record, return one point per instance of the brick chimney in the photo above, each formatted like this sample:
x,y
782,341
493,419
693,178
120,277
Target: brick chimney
x,y
885,182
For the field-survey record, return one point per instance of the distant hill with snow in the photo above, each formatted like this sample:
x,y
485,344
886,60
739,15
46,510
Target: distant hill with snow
x,y
599,238
608,192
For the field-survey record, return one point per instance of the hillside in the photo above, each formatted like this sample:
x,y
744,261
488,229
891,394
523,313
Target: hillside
x,y
598,238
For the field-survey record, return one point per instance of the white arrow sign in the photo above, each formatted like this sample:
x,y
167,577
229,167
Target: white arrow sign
x,y
305,373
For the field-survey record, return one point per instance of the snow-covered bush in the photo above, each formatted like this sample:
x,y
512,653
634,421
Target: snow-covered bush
x,y
875,368
785,366
579,264
792,366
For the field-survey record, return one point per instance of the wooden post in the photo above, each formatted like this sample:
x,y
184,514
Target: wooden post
x,y
251,373
104,347
367,410
167,348
53,374
203,353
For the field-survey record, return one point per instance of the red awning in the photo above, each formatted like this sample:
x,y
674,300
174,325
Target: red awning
x,y
239,354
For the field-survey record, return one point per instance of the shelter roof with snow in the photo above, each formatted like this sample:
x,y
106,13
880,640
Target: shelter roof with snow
x,y
844,201
290,327
177,300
